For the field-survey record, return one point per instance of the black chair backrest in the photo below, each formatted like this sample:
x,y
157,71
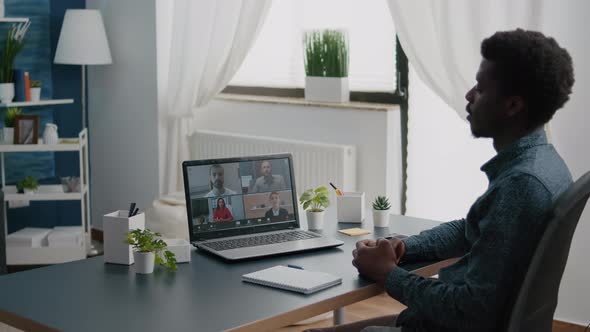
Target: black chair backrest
x,y
537,298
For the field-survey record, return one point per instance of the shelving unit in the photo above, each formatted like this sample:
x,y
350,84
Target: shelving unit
x,y
14,19
47,255
38,103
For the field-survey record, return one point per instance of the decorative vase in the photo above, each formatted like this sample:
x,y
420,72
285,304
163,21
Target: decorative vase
x,y
381,218
35,94
50,134
144,262
327,89
7,136
6,92
315,220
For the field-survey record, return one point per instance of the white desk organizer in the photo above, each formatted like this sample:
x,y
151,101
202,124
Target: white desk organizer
x,y
115,227
350,207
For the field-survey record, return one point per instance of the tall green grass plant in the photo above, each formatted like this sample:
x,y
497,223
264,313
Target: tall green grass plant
x,y
326,53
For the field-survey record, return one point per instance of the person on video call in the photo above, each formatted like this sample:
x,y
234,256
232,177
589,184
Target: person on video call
x,y
524,77
221,212
268,181
216,182
276,213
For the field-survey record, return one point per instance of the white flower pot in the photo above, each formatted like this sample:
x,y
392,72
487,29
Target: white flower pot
x,y
6,92
35,94
29,190
381,218
327,89
144,262
315,220
7,136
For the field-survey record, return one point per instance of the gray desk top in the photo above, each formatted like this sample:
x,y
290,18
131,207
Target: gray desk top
x,y
205,295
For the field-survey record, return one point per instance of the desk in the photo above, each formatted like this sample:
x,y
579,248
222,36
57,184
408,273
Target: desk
x,y
205,295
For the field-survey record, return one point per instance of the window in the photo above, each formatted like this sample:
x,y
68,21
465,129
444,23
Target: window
x,y
276,58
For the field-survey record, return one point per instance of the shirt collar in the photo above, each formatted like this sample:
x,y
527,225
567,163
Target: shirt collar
x,y
506,156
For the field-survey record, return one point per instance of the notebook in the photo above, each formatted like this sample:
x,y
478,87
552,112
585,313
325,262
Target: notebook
x,y
292,279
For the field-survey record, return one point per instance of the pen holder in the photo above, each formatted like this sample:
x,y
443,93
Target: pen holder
x,y
350,207
115,227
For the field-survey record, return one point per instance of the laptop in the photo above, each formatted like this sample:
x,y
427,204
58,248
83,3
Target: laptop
x,y
246,207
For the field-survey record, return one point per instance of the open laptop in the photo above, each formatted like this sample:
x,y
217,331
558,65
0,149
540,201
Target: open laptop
x,y
246,207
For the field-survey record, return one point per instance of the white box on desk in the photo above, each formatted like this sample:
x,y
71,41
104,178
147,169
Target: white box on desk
x,y
115,227
181,248
350,207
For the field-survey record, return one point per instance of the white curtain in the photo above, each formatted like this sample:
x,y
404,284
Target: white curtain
x,y
442,41
210,39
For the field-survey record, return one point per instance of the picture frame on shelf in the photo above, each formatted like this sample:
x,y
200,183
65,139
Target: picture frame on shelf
x,y
26,129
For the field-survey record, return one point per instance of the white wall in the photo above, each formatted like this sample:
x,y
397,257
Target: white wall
x,y
571,135
379,155
122,106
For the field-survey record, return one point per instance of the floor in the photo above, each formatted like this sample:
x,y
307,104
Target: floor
x,y
380,305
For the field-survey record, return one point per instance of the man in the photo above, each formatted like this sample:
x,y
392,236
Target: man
x,y
268,181
216,182
523,79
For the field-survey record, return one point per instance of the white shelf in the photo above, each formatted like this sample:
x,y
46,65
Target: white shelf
x,y
43,255
14,19
66,144
51,192
37,103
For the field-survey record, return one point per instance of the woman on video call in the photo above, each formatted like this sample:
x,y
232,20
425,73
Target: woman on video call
x,y
276,213
221,212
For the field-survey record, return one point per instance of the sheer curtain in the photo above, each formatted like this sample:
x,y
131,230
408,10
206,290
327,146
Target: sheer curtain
x,y
442,41
209,41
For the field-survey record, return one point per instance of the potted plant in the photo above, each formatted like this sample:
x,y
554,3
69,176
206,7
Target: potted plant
x,y
28,185
13,44
36,90
10,114
381,211
314,202
150,249
326,65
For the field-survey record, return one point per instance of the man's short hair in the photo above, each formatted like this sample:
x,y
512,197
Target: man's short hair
x,y
532,66
215,166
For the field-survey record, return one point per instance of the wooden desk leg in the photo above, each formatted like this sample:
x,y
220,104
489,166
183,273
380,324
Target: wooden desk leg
x,y
339,316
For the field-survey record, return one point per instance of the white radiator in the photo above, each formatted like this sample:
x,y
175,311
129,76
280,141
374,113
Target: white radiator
x,y
315,164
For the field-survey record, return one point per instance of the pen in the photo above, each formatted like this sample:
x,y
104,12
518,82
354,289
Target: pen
x,y
295,266
135,211
131,209
338,192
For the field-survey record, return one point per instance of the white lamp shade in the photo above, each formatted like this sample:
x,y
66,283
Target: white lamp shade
x,y
82,40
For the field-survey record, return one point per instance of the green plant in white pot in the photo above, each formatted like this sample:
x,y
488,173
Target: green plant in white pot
x,y
314,201
381,211
36,90
28,185
10,114
150,249
13,44
326,65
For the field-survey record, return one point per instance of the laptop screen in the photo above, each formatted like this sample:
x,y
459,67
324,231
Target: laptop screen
x,y
235,196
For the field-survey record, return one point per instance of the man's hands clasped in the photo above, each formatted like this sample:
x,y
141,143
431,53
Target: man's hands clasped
x,y
374,259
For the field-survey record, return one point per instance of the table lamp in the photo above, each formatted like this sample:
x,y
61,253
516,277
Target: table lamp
x,y
83,41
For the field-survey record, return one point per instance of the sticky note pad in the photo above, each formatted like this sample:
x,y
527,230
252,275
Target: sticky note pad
x,y
354,231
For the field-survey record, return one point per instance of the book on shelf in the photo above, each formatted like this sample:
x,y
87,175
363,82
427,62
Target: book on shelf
x,y
19,85
27,86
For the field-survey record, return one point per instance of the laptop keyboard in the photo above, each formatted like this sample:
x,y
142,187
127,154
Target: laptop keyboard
x,y
259,240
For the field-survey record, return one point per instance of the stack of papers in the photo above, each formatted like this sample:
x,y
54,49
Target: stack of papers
x,y
29,237
66,237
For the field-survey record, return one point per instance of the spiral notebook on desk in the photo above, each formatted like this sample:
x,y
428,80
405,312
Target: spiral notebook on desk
x,y
292,279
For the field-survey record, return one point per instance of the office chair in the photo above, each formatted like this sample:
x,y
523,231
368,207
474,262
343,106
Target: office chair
x,y
537,298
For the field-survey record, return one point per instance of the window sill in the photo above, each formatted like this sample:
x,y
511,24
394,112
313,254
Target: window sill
x,y
354,105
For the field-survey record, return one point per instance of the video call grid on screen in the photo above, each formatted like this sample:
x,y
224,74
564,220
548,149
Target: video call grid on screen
x,y
240,194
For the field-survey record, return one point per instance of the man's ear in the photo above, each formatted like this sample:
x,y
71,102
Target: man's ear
x,y
515,105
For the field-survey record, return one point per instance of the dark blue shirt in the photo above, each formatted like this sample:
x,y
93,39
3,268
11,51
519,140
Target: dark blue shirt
x,y
495,242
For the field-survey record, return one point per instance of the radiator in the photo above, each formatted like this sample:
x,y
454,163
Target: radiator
x,y
314,164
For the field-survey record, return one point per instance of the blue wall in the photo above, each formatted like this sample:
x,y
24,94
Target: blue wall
x,y
59,82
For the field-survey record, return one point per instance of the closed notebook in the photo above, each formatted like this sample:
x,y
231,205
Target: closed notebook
x,y
292,279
